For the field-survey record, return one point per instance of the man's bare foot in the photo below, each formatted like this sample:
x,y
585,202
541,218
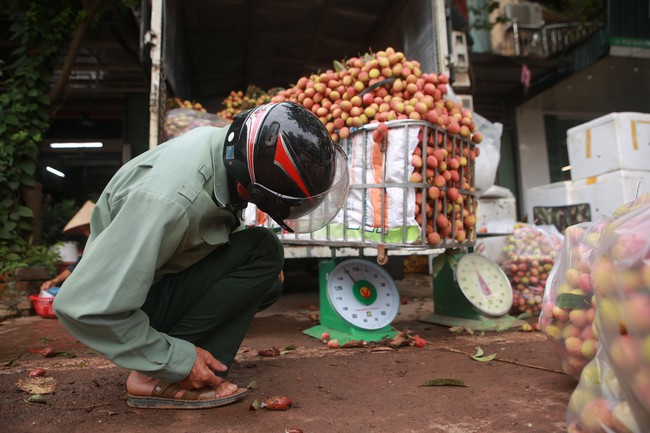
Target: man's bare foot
x,y
140,384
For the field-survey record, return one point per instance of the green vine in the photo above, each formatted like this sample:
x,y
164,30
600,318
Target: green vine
x,y
39,31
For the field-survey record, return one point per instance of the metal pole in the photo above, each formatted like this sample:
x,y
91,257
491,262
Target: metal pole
x,y
155,39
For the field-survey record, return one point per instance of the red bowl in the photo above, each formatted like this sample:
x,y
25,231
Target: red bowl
x,y
43,306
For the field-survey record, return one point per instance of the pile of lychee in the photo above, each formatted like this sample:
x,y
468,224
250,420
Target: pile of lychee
x,y
237,100
386,86
378,87
527,259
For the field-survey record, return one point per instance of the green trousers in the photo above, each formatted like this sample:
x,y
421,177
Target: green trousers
x,y
212,303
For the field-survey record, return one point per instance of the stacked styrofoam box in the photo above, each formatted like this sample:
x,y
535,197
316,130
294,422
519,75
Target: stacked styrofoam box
x,y
617,141
610,166
497,211
608,191
496,216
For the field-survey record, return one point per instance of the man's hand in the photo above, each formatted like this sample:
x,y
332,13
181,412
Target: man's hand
x,y
203,371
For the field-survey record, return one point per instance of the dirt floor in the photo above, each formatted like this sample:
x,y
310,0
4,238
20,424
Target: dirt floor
x,y
333,390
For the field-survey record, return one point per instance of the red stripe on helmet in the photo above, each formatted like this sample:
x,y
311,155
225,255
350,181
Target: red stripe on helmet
x,y
284,161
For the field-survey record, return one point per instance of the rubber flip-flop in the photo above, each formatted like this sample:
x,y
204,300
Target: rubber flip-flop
x,y
163,396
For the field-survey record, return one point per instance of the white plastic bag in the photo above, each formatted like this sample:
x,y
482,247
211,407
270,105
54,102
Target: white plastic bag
x,y
488,163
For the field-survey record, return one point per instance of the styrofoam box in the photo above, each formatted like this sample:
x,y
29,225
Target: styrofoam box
x,y
496,214
608,191
617,141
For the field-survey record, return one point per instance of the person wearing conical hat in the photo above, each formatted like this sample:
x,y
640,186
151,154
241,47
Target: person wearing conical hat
x,y
79,223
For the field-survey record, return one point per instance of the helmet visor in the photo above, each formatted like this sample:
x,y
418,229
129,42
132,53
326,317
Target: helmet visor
x,y
308,214
329,206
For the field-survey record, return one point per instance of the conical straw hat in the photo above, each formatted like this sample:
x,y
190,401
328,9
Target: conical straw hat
x,y
81,218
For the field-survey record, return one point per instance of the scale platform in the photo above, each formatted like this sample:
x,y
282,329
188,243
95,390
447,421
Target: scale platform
x,y
471,291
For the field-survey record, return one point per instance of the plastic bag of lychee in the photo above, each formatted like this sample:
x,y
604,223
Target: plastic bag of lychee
x,y
527,259
620,277
180,120
598,404
567,317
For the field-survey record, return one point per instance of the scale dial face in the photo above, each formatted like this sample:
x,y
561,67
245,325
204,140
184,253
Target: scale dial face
x,y
484,284
363,294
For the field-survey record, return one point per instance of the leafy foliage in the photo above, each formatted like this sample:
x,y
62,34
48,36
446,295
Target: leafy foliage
x,y
39,31
25,254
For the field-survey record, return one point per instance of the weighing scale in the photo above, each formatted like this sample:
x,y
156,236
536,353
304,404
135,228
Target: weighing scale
x,y
358,301
471,291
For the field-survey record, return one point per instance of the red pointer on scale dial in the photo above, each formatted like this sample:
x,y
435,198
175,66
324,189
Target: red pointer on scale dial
x,y
484,287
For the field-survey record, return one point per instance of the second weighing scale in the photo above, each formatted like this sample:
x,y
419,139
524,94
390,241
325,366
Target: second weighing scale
x,y
469,290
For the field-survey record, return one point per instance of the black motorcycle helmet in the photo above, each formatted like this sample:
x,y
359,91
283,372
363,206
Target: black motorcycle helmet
x,y
293,171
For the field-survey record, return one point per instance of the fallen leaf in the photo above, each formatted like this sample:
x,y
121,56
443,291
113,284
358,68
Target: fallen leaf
x,y
37,385
12,362
252,385
444,382
37,398
382,349
479,355
399,340
354,344
288,349
461,329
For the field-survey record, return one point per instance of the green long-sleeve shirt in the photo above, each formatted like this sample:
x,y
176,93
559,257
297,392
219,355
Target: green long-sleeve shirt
x,y
159,214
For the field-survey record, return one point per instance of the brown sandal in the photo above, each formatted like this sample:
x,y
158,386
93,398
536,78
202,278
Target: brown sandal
x,y
163,396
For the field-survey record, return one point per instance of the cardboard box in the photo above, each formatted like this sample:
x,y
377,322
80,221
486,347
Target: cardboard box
x,y
607,192
617,141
